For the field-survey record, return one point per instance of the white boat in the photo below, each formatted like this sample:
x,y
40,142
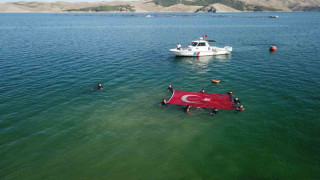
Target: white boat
x,y
201,47
273,16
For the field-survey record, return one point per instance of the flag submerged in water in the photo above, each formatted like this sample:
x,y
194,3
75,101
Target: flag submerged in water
x,y
203,100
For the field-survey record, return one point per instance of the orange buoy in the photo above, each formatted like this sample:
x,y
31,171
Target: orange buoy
x,y
215,81
273,48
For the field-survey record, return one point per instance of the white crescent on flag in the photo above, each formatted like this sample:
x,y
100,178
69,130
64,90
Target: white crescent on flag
x,y
184,99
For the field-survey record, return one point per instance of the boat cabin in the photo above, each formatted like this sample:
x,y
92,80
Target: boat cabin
x,y
199,45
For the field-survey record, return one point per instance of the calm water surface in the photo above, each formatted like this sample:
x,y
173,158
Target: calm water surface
x,y
53,126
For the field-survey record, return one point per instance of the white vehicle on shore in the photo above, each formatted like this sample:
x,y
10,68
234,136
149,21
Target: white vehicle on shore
x,y
201,47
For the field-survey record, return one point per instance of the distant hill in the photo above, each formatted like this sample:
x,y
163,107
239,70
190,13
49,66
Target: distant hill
x,y
250,5
235,4
289,5
164,6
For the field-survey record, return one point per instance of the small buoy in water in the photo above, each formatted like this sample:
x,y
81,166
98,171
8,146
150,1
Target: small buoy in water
x,y
273,48
215,81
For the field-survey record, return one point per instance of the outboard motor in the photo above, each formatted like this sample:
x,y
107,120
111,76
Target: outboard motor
x,y
228,48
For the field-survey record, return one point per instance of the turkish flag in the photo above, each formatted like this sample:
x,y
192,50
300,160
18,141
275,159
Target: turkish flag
x,y
205,36
203,100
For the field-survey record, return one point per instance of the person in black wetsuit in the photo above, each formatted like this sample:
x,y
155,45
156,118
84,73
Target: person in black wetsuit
x,y
230,93
240,108
99,86
236,101
202,91
214,111
163,102
170,88
188,109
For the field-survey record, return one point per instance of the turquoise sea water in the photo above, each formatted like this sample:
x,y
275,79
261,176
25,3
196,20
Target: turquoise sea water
x,y
53,126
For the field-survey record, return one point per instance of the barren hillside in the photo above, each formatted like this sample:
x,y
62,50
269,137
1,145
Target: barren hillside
x,y
293,5
164,6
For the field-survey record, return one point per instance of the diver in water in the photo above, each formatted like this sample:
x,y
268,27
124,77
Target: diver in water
x,y
230,93
202,91
214,111
188,109
236,101
163,102
98,87
170,88
240,108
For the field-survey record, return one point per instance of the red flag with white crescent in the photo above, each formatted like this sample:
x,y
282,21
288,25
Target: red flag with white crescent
x,y
203,100
205,36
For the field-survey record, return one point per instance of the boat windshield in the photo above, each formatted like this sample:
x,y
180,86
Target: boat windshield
x,y
194,44
202,44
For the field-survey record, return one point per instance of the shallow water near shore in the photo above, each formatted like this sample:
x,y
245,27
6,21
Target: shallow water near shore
x,y
54,126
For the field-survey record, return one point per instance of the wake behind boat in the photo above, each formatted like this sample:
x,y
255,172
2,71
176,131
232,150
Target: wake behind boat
x,y
201,47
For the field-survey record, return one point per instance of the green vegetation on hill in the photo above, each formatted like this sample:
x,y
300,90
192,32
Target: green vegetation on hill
x,y
166,3
105,8
239,5
305,8
28,4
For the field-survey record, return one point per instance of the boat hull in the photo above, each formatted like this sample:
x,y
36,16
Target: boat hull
x,y
217,51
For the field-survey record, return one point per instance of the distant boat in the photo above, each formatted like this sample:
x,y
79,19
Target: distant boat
x,y
148,16
273,16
